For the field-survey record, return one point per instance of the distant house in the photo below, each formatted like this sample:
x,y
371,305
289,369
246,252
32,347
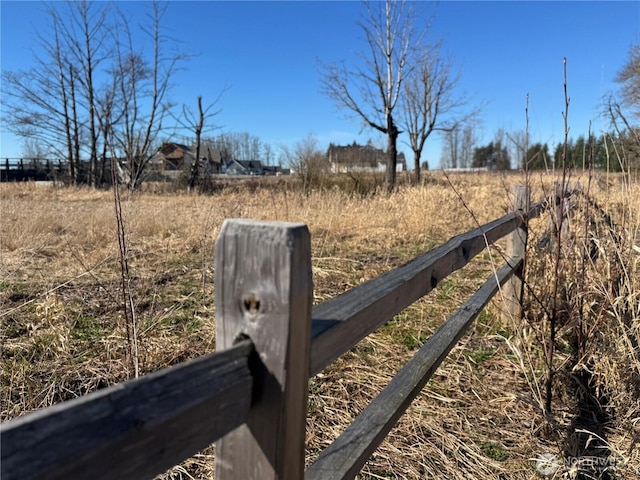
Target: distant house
x,y
361,158
244,167
172,156
275,170
213,162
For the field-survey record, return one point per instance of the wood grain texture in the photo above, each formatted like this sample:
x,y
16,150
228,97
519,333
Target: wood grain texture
x,y
136,429
341,322
264,291
344,458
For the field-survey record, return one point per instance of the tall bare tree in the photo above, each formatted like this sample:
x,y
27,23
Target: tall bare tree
x,y
142,94
451,146
72,105
242,146
622,110
629,79
624,137
85,34
42,103
429,103
469,141
78,48
267,154
372,90
518,146
458,143
33,150
66,85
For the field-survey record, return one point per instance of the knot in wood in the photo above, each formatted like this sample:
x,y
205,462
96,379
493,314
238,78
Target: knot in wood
x,y
250,304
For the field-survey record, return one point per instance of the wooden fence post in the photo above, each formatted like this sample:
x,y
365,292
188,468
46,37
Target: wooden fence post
x,y
516,248
560,206
264,291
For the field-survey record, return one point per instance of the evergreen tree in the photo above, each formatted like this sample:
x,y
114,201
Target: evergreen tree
x,y
538,157
492,156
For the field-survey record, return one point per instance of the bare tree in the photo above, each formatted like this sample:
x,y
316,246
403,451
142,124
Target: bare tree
x,y
307,161
241,146
621,111
430,104
451,140
467,146
59,102
458,143
518,146
629,79
78,48
624,136
142,87
67,92
371,92
246,146
267,154
85,34
32,149
198,124
195,167
41,101
105,108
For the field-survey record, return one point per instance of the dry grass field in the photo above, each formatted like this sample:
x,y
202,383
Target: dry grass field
x,y
480,416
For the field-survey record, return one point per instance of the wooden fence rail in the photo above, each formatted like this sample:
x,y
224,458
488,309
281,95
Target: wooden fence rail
x,y
251,395
19,169
136,429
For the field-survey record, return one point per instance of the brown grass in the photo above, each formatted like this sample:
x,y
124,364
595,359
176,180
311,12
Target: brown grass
x,y
479,417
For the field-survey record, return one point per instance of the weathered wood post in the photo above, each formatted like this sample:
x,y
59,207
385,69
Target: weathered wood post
x,y
561,204
516,248
264,291
557,214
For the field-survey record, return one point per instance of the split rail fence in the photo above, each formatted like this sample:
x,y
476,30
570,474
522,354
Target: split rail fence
x,y
250,396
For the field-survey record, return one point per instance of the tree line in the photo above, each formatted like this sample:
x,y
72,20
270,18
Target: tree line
x,y
613,151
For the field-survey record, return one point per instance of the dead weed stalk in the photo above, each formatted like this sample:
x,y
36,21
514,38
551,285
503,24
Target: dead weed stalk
x,y
128,307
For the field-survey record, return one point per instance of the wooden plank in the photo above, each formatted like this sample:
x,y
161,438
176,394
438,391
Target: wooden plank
x,y
264,291
516,248
537,209
136,429
341,322
344,458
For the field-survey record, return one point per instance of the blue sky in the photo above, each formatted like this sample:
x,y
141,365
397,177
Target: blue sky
x,y
267,54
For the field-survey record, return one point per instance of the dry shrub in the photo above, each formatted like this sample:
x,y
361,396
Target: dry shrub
x,y
597,369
